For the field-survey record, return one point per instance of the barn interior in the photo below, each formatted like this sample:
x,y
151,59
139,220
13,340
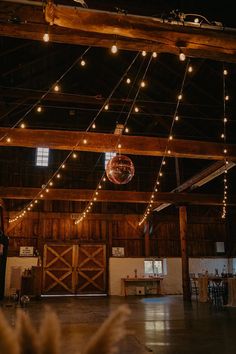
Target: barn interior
x,y
117,185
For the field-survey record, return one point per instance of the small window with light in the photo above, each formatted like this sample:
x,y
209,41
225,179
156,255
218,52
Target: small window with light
x,y
108,156
42,156
153,267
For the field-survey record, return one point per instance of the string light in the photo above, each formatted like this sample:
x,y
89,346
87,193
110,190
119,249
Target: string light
x,y
144,53
143,84
46,37
39,109
154,54
182,56
56,88
225,151
167,152
106,107
136,109
74,155
128,80
83,62
114,49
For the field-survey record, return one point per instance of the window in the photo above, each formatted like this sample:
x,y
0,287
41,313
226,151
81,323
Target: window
x,y
108,156
153,267
42,155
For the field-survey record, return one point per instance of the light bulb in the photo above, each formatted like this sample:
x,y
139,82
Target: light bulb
x,y
143,84
83,62
39,109
144,53
128,81
180,97
56,88
182,56
94,126
46,37
114,49
154,54
136,109
225,72
22,125
190,69
106,107
126,130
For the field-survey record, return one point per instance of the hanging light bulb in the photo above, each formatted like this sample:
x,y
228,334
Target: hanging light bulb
x,y
46,37
114,49
39,109
128,81
182,56
56,88
144,53
83,62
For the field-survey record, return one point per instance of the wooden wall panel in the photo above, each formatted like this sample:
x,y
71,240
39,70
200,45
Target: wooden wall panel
x,y
118,231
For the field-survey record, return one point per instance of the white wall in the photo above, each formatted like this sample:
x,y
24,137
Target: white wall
x,y
172,282
23,263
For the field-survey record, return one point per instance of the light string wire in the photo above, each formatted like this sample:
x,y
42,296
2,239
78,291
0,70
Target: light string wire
x,y
167,150
46,187
6,135
118,147
224,137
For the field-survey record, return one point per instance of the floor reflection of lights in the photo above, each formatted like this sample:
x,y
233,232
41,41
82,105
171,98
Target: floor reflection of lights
x,y
156,326
161,344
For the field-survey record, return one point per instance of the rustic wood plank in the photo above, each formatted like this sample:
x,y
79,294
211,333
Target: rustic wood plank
x,y
98,142
98,28
184,253
113,196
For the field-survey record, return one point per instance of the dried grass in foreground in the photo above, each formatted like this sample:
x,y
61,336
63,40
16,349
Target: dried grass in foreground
x,y
26,339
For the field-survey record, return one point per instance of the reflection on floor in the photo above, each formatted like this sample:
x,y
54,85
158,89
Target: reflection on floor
x,y
163,325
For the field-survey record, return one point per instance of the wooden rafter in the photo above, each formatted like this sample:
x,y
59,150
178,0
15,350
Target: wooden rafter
x,y
97,28
112,196
98,142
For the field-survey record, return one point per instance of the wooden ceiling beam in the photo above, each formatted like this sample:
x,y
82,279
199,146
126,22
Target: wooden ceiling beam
x,y
98,142
111,196
198,180
74,25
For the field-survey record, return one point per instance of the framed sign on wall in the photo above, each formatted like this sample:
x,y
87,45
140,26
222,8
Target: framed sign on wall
x,y
118,252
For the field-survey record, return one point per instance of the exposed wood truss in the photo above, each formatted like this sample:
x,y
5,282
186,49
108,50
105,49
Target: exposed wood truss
x,y
97,28
97,142
198,180
112,196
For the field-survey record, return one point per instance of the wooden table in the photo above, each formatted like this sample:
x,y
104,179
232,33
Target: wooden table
x,y
141,281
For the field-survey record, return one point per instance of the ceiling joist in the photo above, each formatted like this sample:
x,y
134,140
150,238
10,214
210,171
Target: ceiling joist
x,y
74,25
98,142
111,196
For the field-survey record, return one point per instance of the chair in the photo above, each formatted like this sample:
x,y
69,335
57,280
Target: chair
x,y
194,288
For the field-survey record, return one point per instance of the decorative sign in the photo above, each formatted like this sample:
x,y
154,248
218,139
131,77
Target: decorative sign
x,y
26,251
118,251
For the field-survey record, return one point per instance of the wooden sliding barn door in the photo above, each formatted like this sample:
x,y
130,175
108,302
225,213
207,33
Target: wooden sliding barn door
x,y
58,269
91,269
71,269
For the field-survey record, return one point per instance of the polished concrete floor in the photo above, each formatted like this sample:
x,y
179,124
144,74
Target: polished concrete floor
x,y
163,325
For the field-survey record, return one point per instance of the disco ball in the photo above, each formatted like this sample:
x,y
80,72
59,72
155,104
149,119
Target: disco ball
x,y
120,169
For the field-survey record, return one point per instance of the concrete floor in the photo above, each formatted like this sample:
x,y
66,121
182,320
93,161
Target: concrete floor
x,y
162,325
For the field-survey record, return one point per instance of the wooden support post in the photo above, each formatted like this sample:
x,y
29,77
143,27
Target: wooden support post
x,y
147,239
184,253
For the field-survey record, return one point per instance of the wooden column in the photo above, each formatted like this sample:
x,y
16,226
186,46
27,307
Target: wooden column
x,y
184,253
147,239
